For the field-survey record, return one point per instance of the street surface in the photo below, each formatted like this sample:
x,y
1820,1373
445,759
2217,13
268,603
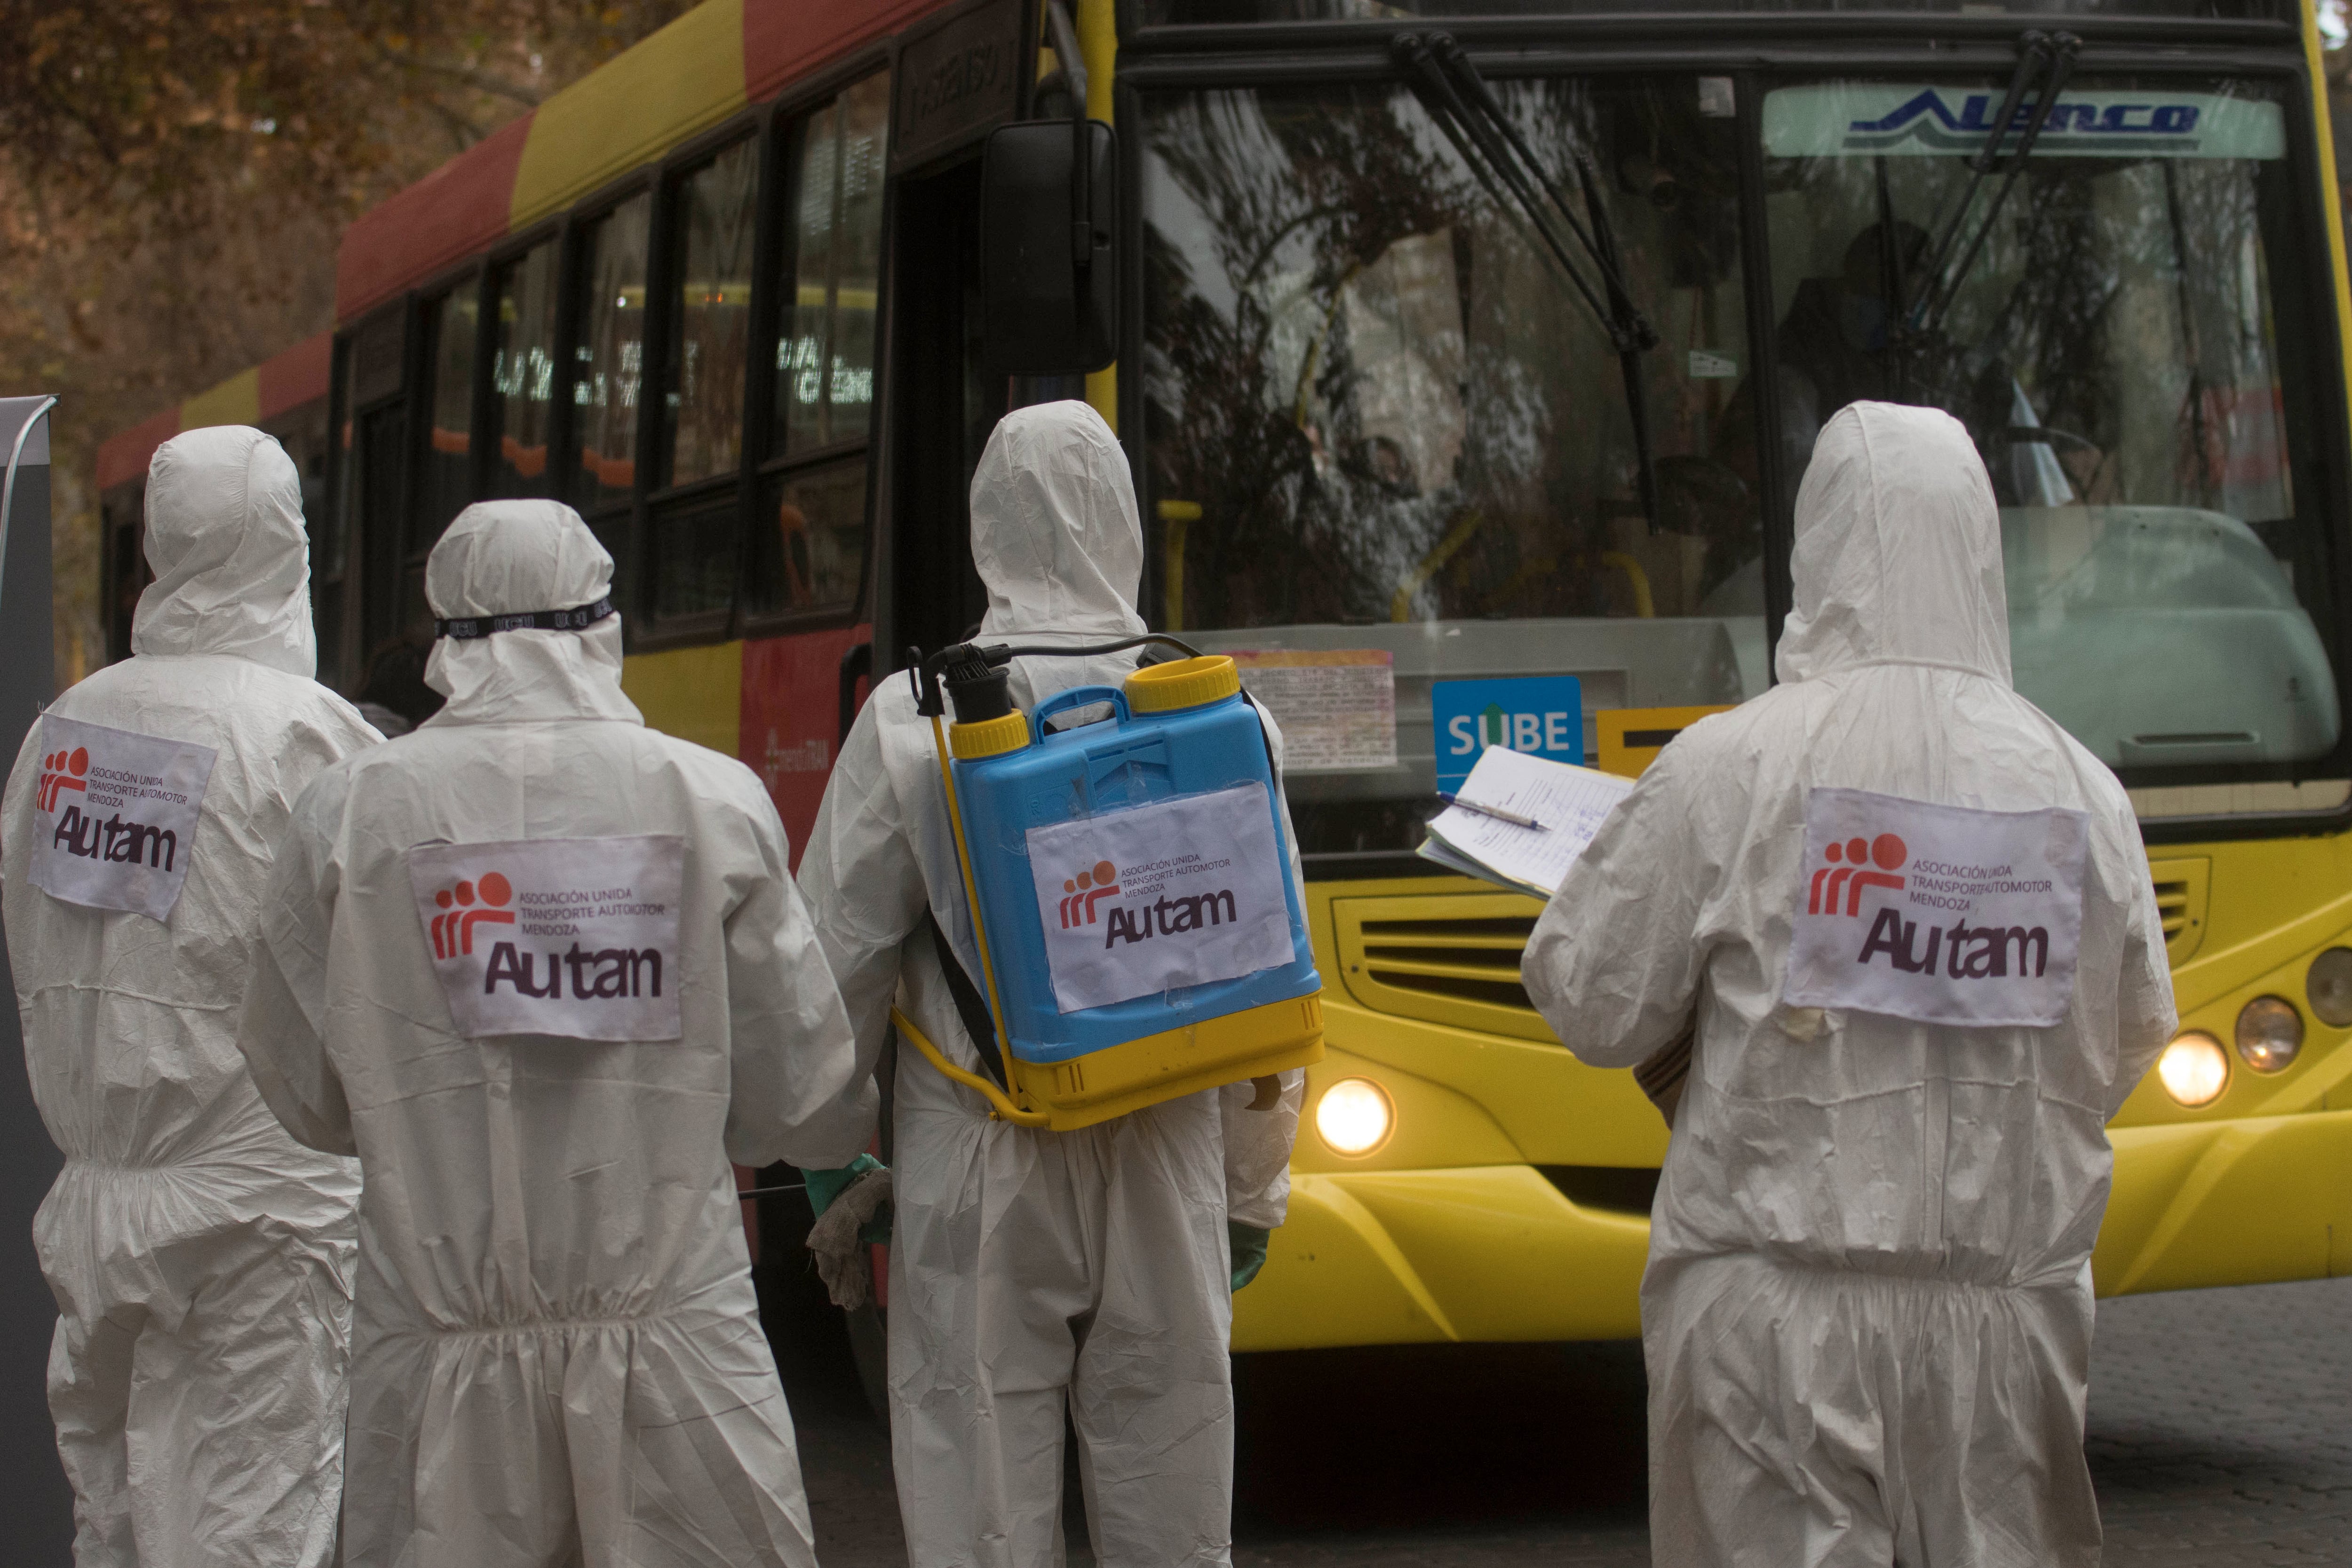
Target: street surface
x,y
2221,1434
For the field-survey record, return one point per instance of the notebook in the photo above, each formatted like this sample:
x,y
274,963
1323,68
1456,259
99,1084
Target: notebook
x,y
1567,803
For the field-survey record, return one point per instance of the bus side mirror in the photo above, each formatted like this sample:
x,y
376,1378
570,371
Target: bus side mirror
x,y
1049,256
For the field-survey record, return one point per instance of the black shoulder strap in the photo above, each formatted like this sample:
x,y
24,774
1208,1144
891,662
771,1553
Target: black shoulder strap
x,y
970,1006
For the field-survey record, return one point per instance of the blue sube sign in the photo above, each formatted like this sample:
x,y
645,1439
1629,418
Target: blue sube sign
x,y
1542,715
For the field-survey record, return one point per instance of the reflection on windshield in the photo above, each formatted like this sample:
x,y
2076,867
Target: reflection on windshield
x,y
2116,350
1378,418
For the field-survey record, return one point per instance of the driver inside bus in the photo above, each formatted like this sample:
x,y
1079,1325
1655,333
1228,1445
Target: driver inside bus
x,y
1840,343
1832,346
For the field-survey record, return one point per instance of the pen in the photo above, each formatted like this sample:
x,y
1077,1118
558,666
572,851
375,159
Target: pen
x,y
1497,812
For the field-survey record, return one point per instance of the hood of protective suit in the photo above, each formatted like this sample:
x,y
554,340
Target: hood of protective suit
x,y
1897,555
232,561
513,557
1054,531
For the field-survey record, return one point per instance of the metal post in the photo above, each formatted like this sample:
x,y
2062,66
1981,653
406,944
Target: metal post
x,y
34,1497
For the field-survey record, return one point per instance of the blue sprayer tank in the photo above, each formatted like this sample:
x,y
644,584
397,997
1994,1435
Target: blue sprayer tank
x,y
1143,853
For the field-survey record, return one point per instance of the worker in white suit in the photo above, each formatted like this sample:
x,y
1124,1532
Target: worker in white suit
x,y
544,972
1910,920
1032,1271
201,1258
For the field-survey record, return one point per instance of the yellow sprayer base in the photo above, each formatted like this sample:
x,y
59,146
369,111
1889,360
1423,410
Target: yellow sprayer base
x,y
1120,1079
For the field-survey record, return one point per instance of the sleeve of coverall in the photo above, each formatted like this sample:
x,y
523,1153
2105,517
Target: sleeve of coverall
x,y
800,1091
864,886
286,1000
2145,1012
1258,1142
1613,965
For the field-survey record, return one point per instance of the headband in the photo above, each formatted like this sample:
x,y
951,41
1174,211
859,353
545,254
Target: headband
x,y
467,629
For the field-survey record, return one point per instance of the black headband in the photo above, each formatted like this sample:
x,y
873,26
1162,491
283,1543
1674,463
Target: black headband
x,y
469,627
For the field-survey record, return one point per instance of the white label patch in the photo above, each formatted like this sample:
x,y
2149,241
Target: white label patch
x,y
1180,893
1937,913
575,937
114,815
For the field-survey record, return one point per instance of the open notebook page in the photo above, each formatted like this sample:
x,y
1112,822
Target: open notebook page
x,y
1567,801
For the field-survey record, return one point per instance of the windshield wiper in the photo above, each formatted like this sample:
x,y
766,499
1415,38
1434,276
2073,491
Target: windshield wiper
x,y
2056,51
1465,109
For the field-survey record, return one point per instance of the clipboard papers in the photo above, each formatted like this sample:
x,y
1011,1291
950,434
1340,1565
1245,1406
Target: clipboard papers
x,y
1568,804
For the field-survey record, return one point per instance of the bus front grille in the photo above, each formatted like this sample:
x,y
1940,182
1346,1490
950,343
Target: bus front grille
x,y
1454,958
2182,887
1446,958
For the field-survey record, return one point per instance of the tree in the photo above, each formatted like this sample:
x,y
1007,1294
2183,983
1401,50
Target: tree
x,y
175,176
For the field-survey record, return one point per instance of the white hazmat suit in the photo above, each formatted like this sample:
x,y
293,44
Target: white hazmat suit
x,y
1867,1312
557,1356
1031,1269
201,1258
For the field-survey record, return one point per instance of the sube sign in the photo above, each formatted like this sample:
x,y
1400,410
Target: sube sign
x,y
1541,715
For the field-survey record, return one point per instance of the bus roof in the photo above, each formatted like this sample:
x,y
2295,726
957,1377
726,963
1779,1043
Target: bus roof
x,y
685,78
281,381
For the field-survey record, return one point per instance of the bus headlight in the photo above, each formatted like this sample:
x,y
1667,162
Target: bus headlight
x,y
2194,1069
1354,1116
2329,987
2270,1033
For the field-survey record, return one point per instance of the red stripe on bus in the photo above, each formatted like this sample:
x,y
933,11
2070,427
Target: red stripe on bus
x,y
124,456
458,209
785,39
790,719
298,375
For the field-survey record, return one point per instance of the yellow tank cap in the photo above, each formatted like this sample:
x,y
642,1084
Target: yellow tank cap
x,y
989,738
1182,683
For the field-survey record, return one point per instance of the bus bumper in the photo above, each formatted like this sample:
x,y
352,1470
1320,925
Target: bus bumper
x,y
1489,1252
1496,1252
2240,1201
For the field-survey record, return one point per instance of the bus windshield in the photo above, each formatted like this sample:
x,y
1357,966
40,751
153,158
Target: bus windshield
x,y
2118,338
1389,458
1389,442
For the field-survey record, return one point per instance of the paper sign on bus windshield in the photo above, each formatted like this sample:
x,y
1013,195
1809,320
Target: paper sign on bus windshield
x,y
576,937
1937,913
114,815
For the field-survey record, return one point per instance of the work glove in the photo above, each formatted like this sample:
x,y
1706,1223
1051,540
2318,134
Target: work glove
x,y
823,1186
1249,1250
853,1208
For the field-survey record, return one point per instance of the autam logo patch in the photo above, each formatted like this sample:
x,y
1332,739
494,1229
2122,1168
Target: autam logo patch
x,y
1155,897
574,936
114,815
1940,914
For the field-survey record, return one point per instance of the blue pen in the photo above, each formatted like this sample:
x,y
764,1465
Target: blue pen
x,y
1497,812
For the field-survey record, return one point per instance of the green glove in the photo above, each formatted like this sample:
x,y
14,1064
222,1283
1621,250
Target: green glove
x,y
1249,1250
823,1186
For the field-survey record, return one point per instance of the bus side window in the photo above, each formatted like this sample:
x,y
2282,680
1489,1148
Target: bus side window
x,y
444,487
608,370
712,217
808,547
523,374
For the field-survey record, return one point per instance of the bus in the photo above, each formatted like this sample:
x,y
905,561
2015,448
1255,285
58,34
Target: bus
x,y
1469,357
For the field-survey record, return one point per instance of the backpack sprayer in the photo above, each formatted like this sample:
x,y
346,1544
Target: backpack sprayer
x,y
1140,935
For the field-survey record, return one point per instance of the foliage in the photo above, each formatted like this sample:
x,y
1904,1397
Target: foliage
x,y
175,176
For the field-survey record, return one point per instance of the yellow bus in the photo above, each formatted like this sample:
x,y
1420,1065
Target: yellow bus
x,y
1463,342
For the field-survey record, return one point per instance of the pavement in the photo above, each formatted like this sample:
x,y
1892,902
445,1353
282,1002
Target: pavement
x,y
2220,1435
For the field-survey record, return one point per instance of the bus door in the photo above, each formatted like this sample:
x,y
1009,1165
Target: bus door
x,y
945,406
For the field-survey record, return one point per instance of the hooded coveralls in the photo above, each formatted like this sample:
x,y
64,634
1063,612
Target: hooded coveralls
x,y
557,1356
201,1260
1029,1268
1867,1312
